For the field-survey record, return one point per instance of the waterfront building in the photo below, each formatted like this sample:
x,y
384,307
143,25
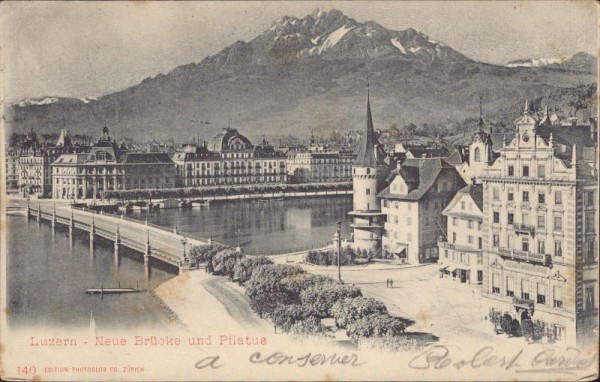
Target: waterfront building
x,y
106,166
369,173
322,166
419,190
461,250
230,158
540,221
12,171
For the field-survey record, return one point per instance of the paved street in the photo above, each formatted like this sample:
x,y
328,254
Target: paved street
x,y
450,310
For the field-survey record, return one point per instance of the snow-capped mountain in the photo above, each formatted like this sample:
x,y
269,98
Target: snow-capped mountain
x,y
36,101
302,74
579,61
332,35
534,62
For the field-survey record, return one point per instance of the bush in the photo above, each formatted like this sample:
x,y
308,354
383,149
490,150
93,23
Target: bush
x,y
329,257
348,310
506,323
377,325
243,269
538,331
527,329
495,318
515,328
299,282
322,297
265,290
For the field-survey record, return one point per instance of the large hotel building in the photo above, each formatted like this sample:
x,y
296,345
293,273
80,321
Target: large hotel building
x,y
230,158
540,239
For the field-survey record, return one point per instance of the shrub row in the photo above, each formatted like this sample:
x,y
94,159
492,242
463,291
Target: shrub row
x,y
297,302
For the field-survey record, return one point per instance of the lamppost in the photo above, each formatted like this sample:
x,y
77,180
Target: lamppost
x,y
339,250
184,242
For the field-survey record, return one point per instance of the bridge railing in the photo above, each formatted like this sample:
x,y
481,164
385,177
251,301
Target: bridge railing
x,y
289,250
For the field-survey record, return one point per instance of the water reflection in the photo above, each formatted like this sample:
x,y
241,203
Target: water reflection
x,y
269,225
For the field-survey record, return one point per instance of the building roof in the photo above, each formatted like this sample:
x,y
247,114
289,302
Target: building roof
x,y
369,152
221,141
137,158
419,174
476,193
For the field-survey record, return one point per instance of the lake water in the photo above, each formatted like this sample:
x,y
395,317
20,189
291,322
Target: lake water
x,y
48,272
268,225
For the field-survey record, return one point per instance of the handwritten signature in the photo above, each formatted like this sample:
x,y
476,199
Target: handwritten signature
x,y
279,358
545,361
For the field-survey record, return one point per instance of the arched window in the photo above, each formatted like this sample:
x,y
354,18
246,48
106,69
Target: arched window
x,y
477,154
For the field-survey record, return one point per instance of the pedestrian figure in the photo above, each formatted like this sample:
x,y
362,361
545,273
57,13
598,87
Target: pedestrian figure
x,y
391,283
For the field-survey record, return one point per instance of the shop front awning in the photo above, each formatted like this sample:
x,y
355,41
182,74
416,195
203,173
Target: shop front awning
x,y
400,250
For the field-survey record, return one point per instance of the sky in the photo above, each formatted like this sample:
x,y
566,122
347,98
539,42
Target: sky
x,y
82,49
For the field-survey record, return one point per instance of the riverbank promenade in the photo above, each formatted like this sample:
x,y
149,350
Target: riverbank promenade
x,y
159,243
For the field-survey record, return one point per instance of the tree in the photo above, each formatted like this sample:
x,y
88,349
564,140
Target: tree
x,y
506,323
377,325
348,310
410,129
322,297
265,290
224,262
310,326
286,316
243,269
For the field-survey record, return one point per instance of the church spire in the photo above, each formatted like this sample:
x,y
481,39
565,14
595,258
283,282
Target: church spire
x,y
526,110
369,152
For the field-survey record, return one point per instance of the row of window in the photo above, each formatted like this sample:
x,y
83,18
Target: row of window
x,y
463,258
541,219
541,171
525,244
525,290
470,223
525,196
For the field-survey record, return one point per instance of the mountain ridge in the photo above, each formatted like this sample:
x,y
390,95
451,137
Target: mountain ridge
x,y
315,79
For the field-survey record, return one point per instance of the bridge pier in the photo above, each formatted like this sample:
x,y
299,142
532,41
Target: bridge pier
x,y
147,251
39,213
53,223
71,224
117,246
92,229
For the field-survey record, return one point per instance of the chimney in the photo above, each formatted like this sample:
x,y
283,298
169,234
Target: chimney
x,y
474,180
399,164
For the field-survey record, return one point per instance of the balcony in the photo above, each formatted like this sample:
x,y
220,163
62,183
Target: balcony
x,y
523,303
458,247
530,257
524,228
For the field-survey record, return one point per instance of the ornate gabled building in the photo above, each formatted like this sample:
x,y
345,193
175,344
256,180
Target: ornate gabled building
x,y
540,220
230,158
107,167
369,173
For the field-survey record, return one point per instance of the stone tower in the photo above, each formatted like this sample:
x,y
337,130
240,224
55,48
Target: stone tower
x,y
368,178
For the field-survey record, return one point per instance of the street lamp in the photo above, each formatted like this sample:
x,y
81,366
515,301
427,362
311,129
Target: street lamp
x,y
339,250
184,242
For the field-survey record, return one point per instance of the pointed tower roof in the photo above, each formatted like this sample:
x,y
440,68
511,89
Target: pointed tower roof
x,y
369,152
